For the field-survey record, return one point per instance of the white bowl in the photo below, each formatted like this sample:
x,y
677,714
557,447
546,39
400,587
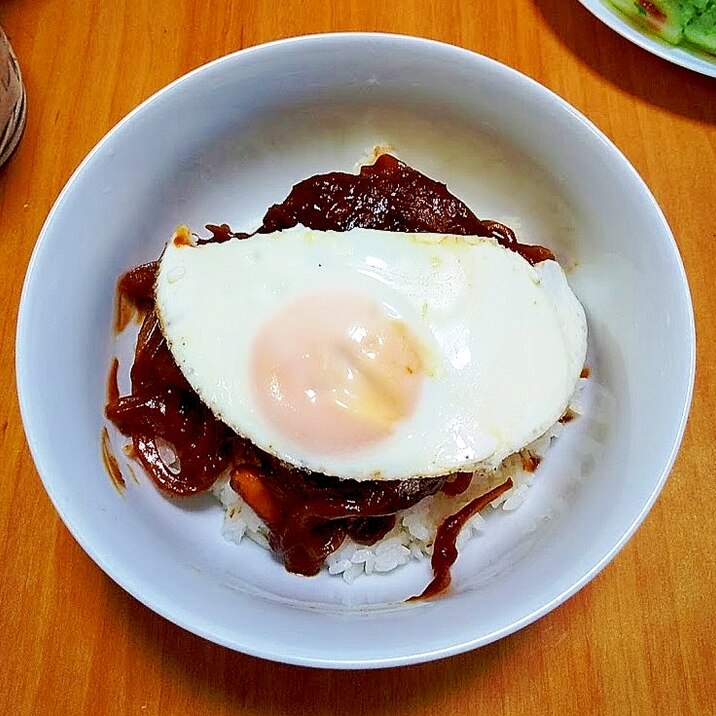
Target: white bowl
x,y
222,144
684,55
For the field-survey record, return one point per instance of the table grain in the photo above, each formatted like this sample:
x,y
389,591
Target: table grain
x,y
637,640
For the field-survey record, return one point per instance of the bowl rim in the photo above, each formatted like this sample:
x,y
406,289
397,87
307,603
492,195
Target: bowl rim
x,y
23,370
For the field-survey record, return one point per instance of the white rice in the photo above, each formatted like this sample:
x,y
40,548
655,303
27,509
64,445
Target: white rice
x,y
415,528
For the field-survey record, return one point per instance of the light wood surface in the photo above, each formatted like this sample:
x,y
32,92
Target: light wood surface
x,y
637,640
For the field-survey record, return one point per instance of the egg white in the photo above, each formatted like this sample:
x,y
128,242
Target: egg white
x,y
506,341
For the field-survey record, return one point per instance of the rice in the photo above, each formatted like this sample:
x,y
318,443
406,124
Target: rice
x,y
415,528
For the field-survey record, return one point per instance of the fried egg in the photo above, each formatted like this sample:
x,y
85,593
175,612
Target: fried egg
x,y
373,355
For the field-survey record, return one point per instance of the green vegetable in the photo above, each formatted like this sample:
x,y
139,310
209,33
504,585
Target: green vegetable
x,y
701,31
665,18
675,20
699,6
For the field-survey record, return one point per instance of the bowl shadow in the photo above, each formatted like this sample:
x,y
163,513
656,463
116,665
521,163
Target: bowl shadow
x,y
628,66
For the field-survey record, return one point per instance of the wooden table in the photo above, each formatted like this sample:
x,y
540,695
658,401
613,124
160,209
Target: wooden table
x,y
637,640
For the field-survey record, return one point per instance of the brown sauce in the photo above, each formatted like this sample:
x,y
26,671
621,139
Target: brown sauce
x,y
132,474
135,294
221,233
112,383
445,550
390,196
457,484
568,417
308,515
123,314
163,407
110,462
530,462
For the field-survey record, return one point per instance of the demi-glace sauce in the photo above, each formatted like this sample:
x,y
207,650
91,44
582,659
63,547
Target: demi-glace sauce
x,y
445,549
184,448
391,196
309,515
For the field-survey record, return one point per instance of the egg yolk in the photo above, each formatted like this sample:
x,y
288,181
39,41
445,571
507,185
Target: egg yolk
x,y
335,372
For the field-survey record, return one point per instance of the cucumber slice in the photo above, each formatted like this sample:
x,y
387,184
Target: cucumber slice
x,y
701,31
665,18
699,5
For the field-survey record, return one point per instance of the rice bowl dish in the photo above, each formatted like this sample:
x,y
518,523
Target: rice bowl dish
x,y
353,388
596,482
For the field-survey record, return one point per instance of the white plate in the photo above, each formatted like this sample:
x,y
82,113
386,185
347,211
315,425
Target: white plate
x,y
687,57
222,144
